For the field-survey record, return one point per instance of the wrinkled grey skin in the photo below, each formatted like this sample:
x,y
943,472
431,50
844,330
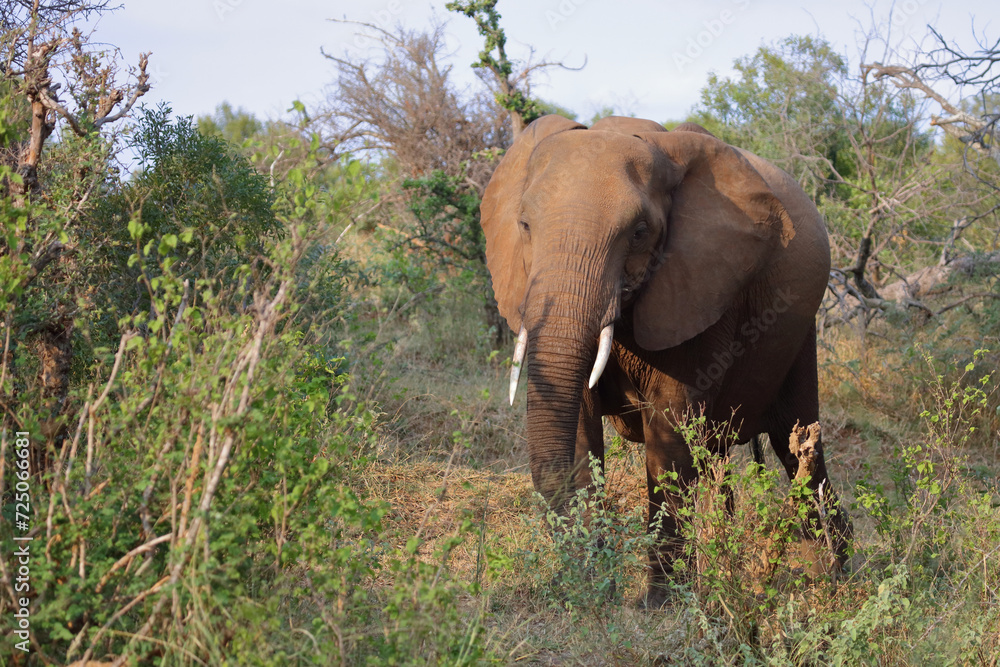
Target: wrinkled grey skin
x,y
709,261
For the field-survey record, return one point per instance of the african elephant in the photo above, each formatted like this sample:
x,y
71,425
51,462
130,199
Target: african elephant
x,y
649,273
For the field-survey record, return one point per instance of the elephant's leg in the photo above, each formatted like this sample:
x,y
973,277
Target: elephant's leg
x,y
669,471
798,402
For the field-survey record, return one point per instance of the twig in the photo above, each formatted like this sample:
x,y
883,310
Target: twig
x,y
7,323
980,295
46,257
118,614
274,163
341,235
269,314
93,407
189,486
124,560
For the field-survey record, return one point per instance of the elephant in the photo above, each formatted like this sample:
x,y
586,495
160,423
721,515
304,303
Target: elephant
x,y
649,273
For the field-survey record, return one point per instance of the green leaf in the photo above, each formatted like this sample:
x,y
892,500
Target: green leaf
x,y
167,243
135,228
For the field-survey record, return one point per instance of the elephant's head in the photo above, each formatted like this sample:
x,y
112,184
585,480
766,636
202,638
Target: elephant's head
x,y
622,220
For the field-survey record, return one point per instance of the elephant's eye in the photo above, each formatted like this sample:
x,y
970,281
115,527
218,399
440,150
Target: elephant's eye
x,y
640,233
524,226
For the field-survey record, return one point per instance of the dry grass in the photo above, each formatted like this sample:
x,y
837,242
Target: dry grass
x,y
452,450
525,621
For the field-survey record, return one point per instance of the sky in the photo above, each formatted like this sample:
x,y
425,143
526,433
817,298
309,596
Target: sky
x,y
643,58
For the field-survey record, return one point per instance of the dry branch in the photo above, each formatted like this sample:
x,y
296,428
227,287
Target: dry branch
x,y
404,103
843,303
802,443
973,135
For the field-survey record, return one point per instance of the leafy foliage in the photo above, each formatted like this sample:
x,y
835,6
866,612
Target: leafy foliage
x,y
235,126
447,218
782,102
508,96
194,202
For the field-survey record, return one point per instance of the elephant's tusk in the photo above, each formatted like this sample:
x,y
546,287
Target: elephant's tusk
x,y
603,353
515,366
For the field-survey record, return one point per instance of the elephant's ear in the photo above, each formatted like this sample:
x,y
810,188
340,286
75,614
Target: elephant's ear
x,y
499,212
722,226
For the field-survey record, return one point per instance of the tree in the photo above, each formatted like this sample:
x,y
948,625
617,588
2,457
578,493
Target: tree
x,y
512,90
406,106
972,121
509,95
977,71
235,126
782,105
42,243
23,20
889,175
97,101
859,146
441,143
194,197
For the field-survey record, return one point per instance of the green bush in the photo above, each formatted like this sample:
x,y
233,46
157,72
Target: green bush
x,y
205,506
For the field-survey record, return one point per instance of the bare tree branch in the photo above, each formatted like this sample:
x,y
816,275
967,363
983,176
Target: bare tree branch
x,y
404,104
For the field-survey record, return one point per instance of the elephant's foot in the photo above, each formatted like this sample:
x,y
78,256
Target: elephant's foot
x,y
654,598
835,536
662,578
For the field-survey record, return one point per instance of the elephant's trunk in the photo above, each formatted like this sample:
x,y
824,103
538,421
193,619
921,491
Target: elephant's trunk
x,y
521,350
564,316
